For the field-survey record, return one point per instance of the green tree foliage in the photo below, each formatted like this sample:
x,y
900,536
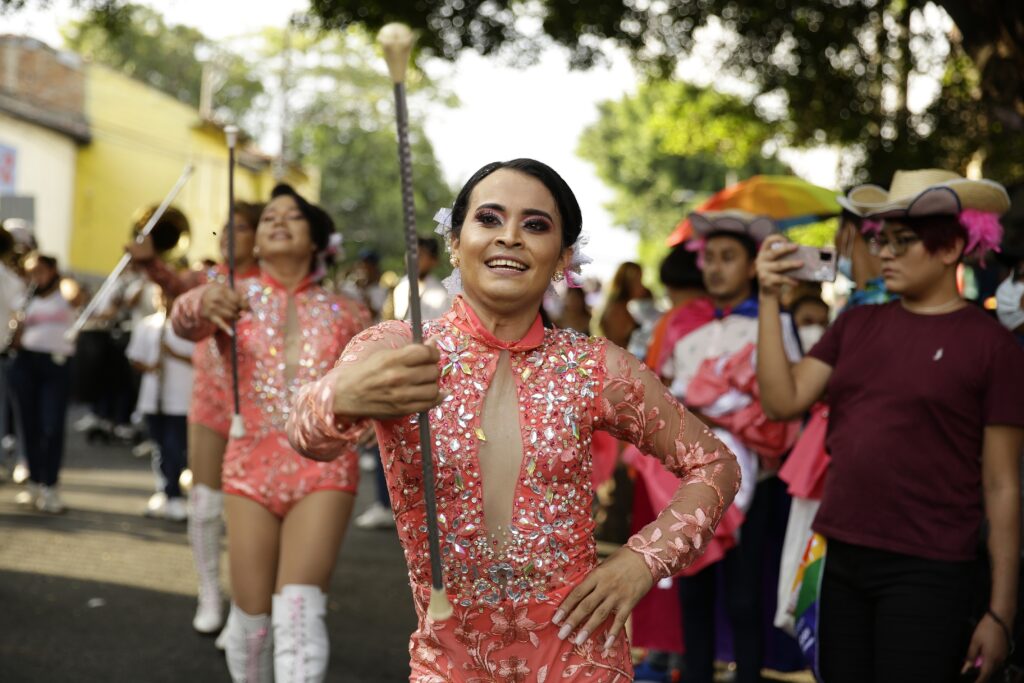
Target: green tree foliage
x,y
342,120
843,67
671,145
138,42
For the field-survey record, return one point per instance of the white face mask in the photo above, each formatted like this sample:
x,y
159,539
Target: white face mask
x,y
846,266
809,336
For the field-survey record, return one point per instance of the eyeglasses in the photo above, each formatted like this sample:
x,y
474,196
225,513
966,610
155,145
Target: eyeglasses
x,y
898,244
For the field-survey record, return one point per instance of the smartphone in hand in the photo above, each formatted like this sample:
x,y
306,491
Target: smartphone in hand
x,y
819,264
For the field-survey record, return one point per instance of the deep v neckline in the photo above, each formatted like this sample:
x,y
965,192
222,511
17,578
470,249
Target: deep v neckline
x,y
464,318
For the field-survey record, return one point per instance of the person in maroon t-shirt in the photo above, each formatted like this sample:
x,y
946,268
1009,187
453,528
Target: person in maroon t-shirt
x,y
925,431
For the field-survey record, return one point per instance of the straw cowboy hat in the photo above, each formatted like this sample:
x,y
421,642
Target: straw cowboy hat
x,y
927,192
732,220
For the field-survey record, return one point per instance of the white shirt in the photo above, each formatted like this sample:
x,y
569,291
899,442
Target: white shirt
x,y
12,297
173,384
434,299
47,319
719,339
1008,296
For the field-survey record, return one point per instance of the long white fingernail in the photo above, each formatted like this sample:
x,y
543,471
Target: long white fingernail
x,y
608,642
557,619
564,632
581,637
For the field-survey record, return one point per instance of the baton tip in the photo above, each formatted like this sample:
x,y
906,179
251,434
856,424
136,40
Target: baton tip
x,y
237,430
396,39
439,608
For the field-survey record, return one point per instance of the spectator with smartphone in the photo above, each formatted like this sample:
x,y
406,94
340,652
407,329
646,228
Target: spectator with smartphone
x,y
712,370
925,430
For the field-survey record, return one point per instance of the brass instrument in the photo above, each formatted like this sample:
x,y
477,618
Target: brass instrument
x,y
155,217
171,233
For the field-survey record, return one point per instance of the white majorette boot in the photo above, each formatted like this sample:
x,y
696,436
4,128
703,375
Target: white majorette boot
x,y
301,647
222,639
205,528
250,647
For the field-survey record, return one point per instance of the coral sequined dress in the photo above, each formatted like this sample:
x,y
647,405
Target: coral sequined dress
x,y
211,389
512,456
284,341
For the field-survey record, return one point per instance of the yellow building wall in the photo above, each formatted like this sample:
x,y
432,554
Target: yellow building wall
x,y
142,140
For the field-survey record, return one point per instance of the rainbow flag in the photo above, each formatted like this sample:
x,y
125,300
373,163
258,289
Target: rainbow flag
x,y
806,593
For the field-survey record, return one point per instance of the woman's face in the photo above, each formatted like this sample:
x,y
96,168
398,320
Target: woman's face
x,y
511,241
245,239
284,232
908,268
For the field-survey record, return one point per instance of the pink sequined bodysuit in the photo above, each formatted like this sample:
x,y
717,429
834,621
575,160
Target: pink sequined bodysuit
x,y
211,393
514,491
272,365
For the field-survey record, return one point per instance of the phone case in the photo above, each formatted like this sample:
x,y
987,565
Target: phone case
x,y
819,265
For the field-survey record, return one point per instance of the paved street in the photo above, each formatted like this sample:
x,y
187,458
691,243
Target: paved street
x,y
103,594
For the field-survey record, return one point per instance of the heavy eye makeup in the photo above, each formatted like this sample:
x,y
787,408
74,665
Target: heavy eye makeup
x,y
534,221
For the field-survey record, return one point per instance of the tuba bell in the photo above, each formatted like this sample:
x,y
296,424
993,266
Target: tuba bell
x,y
171,234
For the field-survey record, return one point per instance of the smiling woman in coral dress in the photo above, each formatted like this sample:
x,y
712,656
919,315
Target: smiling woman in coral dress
x,y
513,406
286,515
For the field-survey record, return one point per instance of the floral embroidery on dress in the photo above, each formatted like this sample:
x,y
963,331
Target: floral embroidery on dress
x,y
505,584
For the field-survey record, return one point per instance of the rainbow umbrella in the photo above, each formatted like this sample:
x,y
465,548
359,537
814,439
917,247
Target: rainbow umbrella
x,y
786,199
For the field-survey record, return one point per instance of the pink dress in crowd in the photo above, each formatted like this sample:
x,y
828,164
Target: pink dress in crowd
x,y
262,465
514,492
211,393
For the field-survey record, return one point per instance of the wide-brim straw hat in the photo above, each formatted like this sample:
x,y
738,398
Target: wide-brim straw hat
x,y
732,220
926,192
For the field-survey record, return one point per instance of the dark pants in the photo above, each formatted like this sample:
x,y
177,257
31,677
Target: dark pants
x,y
892,618
170,433
103,375
742,572
41,387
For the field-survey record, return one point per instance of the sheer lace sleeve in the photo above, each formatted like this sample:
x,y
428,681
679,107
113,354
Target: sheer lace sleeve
x,y
186,319
313,428
634,406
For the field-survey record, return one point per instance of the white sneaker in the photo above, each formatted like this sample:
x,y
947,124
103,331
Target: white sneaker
x,y
156,506
49,501
376,516
20,474
124,432
29,496
145,449
86,422
176,510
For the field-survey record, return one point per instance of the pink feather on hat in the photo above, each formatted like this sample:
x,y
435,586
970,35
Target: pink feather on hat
x,y
984,231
